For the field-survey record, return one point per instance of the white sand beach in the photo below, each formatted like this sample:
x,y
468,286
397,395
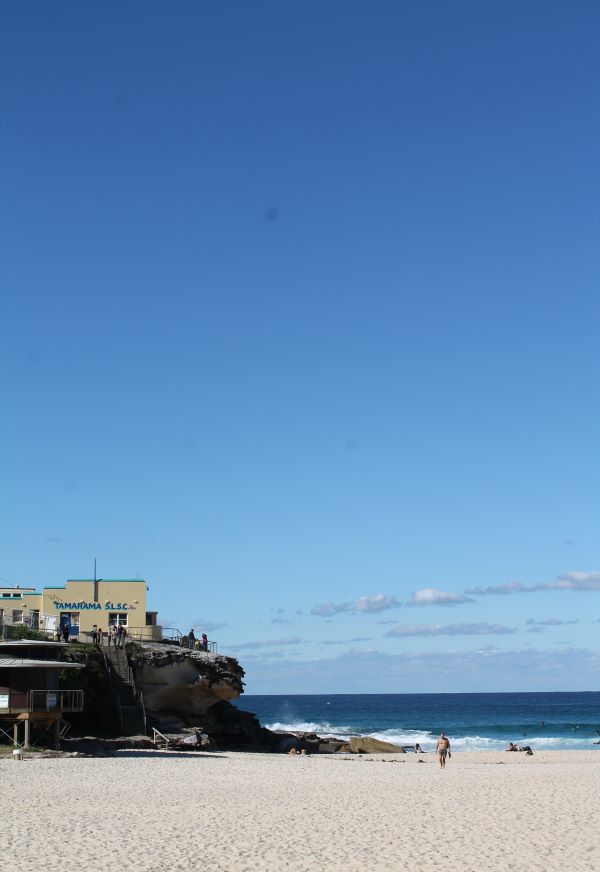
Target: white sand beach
x,y
233,812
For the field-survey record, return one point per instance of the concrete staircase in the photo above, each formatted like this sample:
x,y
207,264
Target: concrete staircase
x,y
132,718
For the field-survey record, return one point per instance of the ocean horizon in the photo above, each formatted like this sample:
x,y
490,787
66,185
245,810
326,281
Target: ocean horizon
x,y
556,720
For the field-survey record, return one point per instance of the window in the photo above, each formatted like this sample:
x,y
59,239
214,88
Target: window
x,y
17,616
117,619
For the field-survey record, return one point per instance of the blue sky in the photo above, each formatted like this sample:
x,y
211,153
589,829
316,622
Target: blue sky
x,y
299,321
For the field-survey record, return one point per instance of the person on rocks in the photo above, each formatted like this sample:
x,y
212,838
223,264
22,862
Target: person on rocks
x,y
191,639
204,642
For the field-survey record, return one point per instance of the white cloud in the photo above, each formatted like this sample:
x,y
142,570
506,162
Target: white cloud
x,y
550,622
266,643
579,581
480,629
500,589
429,596
363,605
208,626
347,641
572,581
377,603
326,610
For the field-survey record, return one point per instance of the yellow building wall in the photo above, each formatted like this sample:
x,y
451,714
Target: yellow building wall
x,y
26,602
119,597
125,598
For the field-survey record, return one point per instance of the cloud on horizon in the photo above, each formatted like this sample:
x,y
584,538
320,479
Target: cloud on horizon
x,y
429,596
483,669
363,605
480,629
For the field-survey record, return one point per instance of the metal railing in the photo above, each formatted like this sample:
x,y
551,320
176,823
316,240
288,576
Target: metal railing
x,y
171,634
198,645
158,736
42,701
115,692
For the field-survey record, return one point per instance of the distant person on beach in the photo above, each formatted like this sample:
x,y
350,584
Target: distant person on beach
x,y
99,635
512,747
192,639
204,642
418,749
443,749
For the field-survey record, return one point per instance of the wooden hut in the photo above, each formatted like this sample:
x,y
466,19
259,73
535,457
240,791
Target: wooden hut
x,y
30,692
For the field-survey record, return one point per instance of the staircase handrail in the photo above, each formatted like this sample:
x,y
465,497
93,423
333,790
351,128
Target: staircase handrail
x,y
165,739
143,707
117,701
137,694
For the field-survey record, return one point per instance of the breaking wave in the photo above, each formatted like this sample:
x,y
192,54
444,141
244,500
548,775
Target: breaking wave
x,y
427,740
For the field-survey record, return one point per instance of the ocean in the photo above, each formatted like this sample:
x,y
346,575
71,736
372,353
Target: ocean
x,y
473,721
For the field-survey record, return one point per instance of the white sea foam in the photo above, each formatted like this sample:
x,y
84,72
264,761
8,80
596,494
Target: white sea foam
x,y
322,729
427,740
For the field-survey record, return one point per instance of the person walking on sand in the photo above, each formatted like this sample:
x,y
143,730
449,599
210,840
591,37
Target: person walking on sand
x,y
443,749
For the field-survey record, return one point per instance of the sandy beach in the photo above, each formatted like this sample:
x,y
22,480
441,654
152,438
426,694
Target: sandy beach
x,y
161,811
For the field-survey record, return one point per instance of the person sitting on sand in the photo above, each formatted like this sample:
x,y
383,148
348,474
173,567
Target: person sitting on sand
x,y
443,749
512,747
417,749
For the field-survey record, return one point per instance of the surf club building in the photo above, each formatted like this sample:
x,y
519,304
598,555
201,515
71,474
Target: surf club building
x,y
80,604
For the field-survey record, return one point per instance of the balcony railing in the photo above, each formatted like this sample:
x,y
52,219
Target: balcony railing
x,y
42,701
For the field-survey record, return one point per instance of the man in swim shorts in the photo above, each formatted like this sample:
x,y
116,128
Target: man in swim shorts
x,y
443,749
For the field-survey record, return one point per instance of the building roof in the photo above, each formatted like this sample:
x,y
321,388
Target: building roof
x,y
15,589
19,594
20,663
98,581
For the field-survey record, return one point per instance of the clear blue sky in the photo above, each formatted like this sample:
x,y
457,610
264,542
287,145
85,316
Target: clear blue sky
x,y
299,313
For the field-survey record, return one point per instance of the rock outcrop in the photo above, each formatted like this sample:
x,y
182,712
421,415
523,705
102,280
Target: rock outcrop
x,y
189,693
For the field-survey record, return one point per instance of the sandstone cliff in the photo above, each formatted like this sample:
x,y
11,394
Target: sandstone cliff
x,y
187,691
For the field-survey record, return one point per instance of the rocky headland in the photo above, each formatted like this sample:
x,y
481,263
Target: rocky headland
x,y
186,696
